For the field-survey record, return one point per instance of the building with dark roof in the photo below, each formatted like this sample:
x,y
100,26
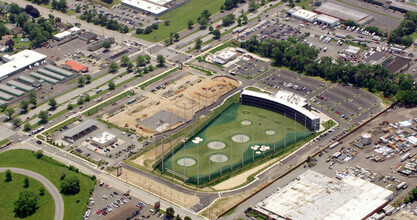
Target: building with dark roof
x,y
87,36
80,130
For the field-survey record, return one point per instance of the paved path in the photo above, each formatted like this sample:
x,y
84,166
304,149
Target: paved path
x,y
59,202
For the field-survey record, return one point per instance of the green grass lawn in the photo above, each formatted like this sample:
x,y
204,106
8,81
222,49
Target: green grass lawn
x,y
75,205
223,128
303,3
9,192
21,44
179,18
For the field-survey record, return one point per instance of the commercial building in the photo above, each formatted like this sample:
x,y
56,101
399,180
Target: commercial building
x,y
145,6
44,78
283,102
77,67
304,15
80,130
59,70
104,140
315,196
87,36
225,56
344,13
327,20
20,86
19,62
68,33
51,74
11,90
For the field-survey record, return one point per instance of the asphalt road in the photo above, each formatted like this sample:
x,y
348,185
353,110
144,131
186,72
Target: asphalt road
x,y
59,202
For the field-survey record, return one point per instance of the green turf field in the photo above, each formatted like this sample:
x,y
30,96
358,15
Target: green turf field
x,y
75,205
179,18
237,129
9,192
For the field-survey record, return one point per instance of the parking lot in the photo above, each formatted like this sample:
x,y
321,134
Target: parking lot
x,y
113,153
109,203
248,67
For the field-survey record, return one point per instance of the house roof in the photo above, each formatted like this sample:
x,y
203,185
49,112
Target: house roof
x,y
76,66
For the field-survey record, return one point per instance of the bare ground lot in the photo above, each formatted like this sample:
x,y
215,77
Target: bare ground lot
x,y
184,102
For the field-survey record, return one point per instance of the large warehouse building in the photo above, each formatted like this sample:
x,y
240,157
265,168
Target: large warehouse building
x,y
316,196
283,102
344,13
154,7
19,62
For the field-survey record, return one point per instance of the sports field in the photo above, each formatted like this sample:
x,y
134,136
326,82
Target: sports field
x,y
179,18
238,136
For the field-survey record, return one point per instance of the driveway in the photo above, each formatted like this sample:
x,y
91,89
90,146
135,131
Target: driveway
x,y
59,202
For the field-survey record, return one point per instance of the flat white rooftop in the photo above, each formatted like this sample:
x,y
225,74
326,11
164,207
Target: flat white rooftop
x,y
145,6
104,137
316,196
302,13
287,98
160,2
20,61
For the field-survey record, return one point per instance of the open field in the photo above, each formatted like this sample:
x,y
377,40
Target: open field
x,y
75,205
239,135
9,192
179,18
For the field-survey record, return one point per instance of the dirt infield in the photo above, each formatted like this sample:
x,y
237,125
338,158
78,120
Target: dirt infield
x,y
187,99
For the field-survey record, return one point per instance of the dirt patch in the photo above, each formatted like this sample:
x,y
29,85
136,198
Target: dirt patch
x,y
166,192
225,203
237,180
189,100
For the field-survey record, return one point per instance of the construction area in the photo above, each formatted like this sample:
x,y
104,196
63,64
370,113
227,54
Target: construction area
x,y
171,102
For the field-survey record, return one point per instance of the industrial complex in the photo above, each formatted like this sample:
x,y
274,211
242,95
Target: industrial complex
x,y
315,196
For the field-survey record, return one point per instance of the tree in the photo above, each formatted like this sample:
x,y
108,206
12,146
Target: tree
x,y
3,107
239,21
16,122
161,60
26,183
9,43
52,102
198,43
140,60
216,34
166,23
187,218
106,44
190,24
150,68
26,204
39,154
43,116
70,107
124,60
41,191
87,79
113,67
80,101
81,82
24,104
9,113
148,30
111,85
129,67
176,36
252,5
33,100
228,19
8,175
3,30
139,31
170,212
15,9
26,127
147,58
178,217
87,97
70,185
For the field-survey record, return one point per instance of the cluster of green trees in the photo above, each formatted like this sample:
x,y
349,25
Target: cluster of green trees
x,y
38,2
304,59
408,26
203,20
107,1
173,37
228,19
148,29
60,5
34,12
411,196
91,16
230,4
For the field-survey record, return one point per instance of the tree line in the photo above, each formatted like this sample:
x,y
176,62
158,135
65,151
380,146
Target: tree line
x,y
304,59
